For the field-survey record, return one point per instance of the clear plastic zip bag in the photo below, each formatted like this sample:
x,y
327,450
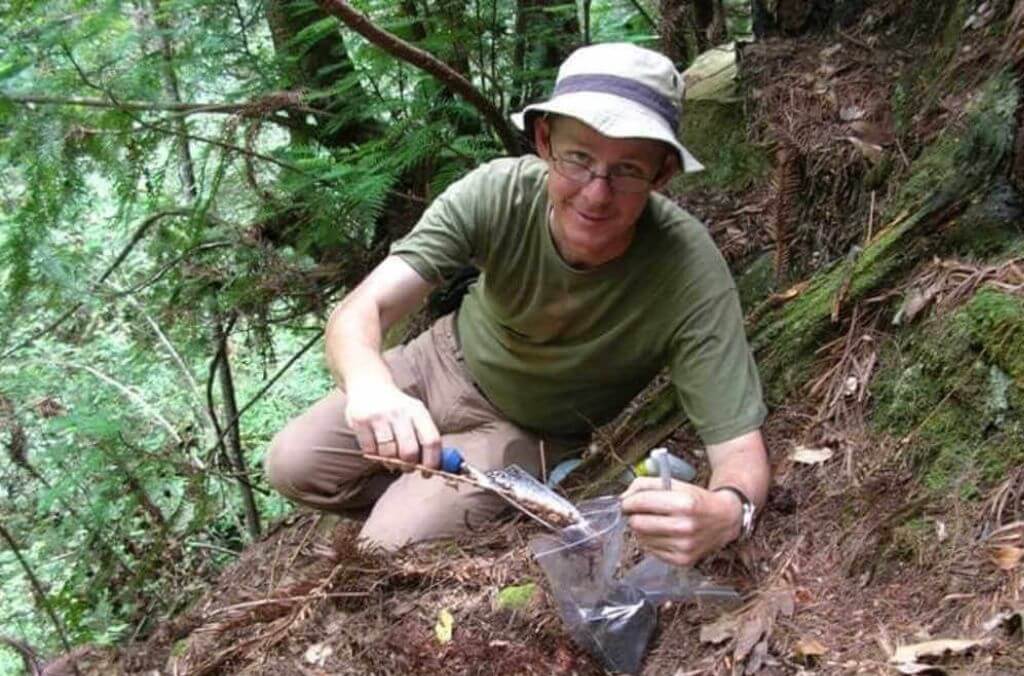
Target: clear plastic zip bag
x,y
612,617
611,620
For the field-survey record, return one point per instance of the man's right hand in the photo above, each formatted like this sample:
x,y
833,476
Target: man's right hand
x,y
390,423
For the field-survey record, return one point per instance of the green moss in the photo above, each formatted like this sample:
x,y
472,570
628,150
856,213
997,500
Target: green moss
x,y
946,389
996,321
716,133
756,281
952,173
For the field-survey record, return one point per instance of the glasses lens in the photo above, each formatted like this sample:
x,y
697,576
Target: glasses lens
x,y
629,183
574,171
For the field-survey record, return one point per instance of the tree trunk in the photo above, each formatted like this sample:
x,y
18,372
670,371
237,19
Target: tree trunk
x,y
538,52
678,32
796,17
321,67
234,439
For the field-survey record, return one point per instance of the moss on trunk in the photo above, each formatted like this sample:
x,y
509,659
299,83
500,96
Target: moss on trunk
x,y
953,391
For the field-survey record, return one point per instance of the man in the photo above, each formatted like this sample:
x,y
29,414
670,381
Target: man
x,y
590,284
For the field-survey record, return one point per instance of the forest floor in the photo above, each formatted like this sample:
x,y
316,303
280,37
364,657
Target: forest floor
x,y
854,568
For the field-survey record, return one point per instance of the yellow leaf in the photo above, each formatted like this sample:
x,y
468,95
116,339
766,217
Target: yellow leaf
x,y
1007,557
809,647
445,625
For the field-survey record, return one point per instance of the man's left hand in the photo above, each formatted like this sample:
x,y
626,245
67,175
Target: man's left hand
x,y
682,525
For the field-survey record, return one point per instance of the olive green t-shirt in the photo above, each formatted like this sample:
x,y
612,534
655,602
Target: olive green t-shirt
x,y
560,350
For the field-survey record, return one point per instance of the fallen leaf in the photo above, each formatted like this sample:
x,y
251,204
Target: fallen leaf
x,y
317,654
916,668
808,647
875,133
915,301
937,648
871,151
1006,557
721,630
810,456
1010,620
516,597
851,113
445,625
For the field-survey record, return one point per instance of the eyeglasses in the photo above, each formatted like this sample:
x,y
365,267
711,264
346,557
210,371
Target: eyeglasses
x,y
619,178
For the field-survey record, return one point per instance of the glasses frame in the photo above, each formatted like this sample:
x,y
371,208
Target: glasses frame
x,y
564,167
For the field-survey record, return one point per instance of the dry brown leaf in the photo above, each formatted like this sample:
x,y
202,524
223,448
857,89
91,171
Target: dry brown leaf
x,y
721,630
810,456
808,647
937,648
756,624
873,133
751,628
1006,557
871,151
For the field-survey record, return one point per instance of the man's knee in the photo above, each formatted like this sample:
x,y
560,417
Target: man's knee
x,y
287,464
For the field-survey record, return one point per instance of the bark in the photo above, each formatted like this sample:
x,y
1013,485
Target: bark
x,y
427,62
186,172
539,51
321,67
797,17
677,31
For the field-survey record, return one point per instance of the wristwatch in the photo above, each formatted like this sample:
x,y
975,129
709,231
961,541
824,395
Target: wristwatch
x,y
748,511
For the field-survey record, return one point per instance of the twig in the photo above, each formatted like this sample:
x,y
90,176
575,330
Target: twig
x,y
130,394
214,548
246,108
37,588
263,390
403,465
871,218
287,599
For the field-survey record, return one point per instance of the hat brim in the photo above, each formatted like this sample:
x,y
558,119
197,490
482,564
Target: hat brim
x,y
612,116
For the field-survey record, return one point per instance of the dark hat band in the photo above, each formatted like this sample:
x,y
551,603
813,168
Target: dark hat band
x,y
635,91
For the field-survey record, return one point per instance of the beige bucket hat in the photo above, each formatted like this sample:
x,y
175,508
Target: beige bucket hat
x,y
620,90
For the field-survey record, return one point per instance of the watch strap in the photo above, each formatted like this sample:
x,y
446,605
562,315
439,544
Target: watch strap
x,y
747,512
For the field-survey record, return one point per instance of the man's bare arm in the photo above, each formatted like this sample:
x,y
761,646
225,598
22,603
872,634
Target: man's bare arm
x,y
386,420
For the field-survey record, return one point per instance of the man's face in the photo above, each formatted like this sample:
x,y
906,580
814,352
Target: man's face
x,y
592,222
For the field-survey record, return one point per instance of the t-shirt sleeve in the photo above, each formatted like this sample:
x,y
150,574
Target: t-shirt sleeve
x,y
450,234
713,370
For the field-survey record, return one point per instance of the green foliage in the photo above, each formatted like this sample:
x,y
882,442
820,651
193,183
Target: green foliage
x,y
121,255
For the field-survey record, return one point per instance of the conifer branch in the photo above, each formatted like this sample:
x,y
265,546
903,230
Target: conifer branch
x,y
428,63
257,108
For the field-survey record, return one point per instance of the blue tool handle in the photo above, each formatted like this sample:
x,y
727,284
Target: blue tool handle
x,y
451,460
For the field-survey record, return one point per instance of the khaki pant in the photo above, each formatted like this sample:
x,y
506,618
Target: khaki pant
x,y
406,507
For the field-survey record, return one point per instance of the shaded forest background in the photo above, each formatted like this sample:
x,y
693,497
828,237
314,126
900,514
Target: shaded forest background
x,y
190,186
